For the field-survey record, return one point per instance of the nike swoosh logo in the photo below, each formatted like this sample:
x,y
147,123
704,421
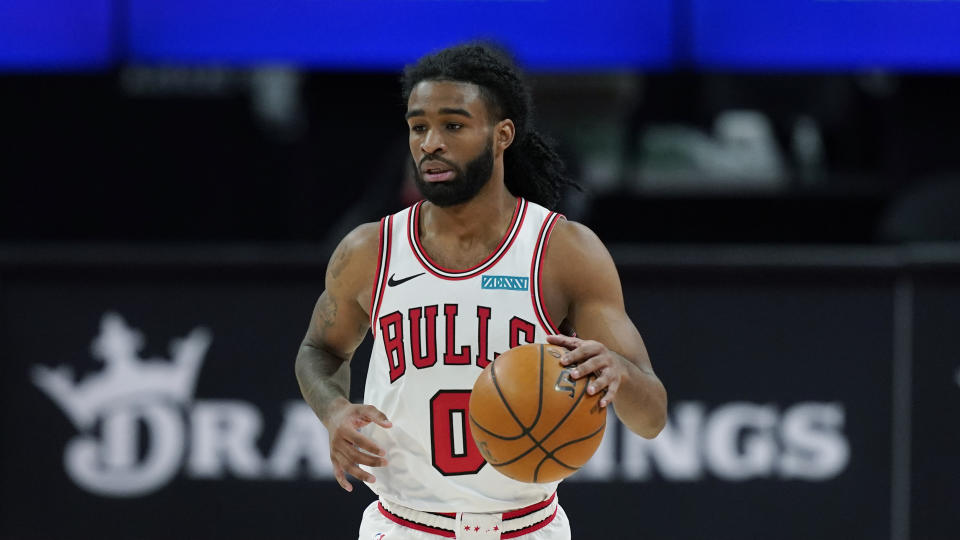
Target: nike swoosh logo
x,y
394,282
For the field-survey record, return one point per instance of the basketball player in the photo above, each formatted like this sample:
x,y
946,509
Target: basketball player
x,y
422,281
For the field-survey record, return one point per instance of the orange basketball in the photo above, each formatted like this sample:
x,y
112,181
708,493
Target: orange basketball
x,y
530,420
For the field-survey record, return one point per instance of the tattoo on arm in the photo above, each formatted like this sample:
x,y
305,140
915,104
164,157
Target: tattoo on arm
x,y
323,375
323,378
339,261
323,362
327,311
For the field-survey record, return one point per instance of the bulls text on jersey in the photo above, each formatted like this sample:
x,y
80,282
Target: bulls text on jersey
x,y
413,336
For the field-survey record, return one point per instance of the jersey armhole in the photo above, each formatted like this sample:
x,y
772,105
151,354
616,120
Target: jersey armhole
x,y
536,273
383,266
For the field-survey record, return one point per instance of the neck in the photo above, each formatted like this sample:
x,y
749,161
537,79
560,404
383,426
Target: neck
x,y
482,218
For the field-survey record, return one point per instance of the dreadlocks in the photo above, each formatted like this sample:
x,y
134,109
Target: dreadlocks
x,y
532,169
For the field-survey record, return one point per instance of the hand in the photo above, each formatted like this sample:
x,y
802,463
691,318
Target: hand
x,y
348,448
594,358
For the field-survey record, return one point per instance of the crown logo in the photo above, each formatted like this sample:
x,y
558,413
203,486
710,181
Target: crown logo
x,y
127,378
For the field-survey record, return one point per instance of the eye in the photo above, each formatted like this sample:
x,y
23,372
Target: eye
x,y
418,128
453,126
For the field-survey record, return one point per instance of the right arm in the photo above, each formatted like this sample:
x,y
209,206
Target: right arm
x,y
337,326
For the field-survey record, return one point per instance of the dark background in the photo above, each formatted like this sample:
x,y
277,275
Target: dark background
x,y
760,333
88,160
778,184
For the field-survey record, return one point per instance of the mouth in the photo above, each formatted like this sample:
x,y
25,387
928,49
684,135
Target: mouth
x,y
437,173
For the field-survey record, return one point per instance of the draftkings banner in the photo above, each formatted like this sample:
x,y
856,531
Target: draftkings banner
x,y
159,401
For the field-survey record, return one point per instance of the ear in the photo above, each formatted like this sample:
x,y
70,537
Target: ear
x,y
503,134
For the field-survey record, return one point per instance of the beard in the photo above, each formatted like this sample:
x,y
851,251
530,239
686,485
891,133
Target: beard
x,y
466,182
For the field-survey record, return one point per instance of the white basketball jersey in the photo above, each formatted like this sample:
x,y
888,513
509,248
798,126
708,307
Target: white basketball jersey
x,y
434,331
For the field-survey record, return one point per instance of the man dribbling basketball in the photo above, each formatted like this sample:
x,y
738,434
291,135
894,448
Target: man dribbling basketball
x,y
479,267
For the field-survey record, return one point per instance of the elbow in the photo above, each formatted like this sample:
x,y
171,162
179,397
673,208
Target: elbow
x,y
651,430
300,365
657,419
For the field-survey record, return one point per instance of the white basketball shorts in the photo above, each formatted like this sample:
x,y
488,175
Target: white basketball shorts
x,y
383,520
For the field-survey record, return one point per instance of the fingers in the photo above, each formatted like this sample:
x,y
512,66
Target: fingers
x,y
586,368
341,479
363,458
372,414
355,438
349,448
586,350
611,392
360,474
564,341
604,380
606,384
347,460
592,358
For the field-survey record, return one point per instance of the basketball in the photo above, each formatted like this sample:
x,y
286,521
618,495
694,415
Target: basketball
x,y
530,420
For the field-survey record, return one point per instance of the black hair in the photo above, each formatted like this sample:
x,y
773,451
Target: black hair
x,y
532,169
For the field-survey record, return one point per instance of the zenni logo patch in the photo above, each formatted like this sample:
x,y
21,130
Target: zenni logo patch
x,y
510,283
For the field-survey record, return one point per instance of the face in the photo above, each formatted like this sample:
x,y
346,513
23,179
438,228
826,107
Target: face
x,y
464,184
452,140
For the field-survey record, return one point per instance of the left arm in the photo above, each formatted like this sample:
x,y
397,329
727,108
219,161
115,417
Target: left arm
x,y
581,282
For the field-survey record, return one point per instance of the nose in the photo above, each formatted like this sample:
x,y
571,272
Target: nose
x,y
432,143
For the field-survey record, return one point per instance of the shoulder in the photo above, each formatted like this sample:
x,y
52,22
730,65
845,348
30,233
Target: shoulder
x,y
355,258
362,239
577,261
570,239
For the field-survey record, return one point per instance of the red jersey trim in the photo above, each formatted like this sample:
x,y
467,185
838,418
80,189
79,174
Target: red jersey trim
x,y
526,511
448,533
414,525
383,270
530,529
413,237
536,273
376,278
